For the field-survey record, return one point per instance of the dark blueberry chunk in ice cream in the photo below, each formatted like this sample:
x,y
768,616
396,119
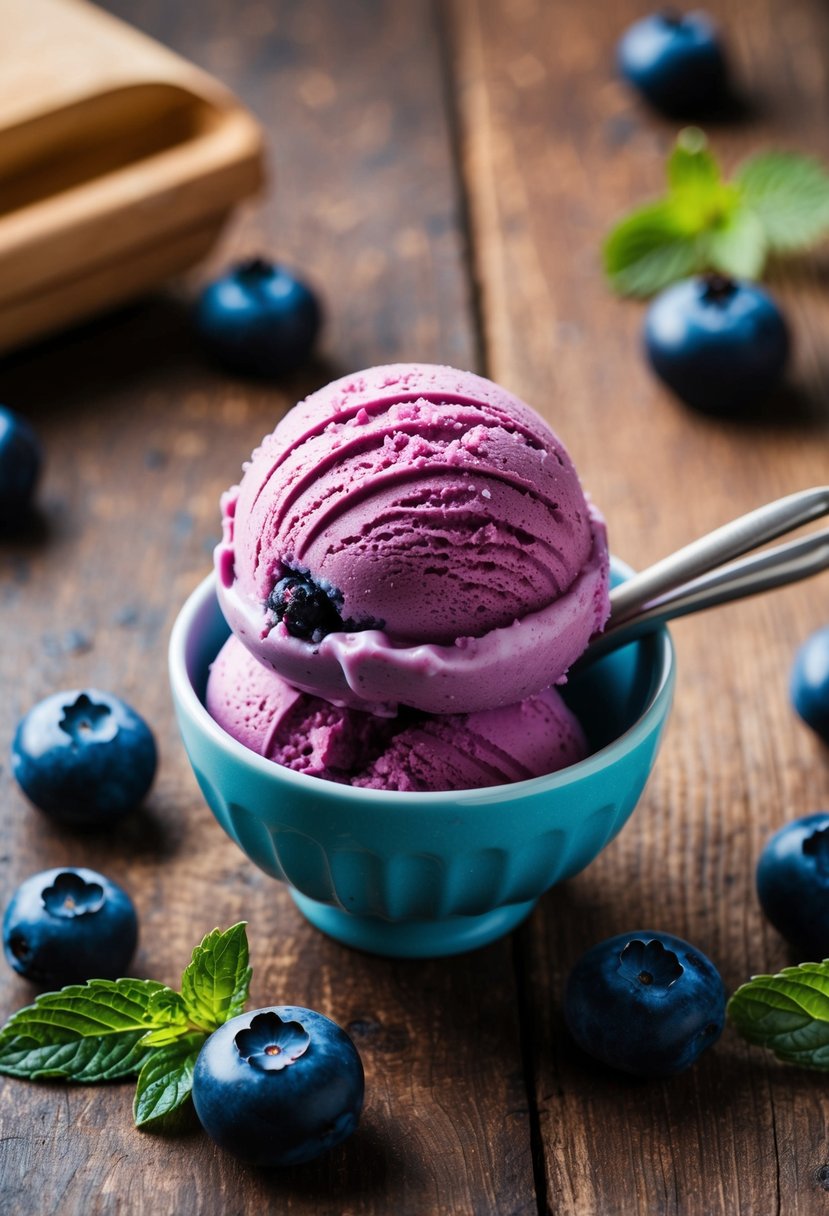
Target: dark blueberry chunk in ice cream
x,y
308,611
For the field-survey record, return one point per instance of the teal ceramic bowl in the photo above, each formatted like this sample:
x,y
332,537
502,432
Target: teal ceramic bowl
x,y
423,875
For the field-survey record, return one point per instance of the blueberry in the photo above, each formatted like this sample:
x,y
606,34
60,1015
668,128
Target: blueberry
x,y
676,61
793,884
84,757
20,461
69,925
278,1086
809,683
308,611
259,319
721,344
646,1003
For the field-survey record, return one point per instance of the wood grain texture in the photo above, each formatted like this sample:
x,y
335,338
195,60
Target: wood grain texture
x,y
445,173
555,149
141,438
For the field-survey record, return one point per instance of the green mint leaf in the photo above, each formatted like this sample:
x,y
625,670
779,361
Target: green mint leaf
x,y
699,197
788,1013
85,1032
737,247
778,202
789,194
166,1079
169,1014
694,176
215,983
649,249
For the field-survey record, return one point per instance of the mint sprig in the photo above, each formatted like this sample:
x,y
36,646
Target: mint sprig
x,y
214,987
166,1079
787,1013
109,1029
775,203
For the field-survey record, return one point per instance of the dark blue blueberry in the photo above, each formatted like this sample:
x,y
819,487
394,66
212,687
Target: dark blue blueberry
x,y
721,344
84,757
259,319
676,61
278,1086
20,461
66,926
809,684
646,1003
307,610
793,884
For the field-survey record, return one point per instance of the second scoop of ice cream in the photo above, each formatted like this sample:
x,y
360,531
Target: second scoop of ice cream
x,y
413,535
414,752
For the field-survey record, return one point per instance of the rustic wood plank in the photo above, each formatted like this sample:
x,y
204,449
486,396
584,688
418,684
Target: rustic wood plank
x,y
555,149
141,437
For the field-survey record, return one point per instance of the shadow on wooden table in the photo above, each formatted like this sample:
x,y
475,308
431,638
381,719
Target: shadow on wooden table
x,y
796,406
150,342
361,1167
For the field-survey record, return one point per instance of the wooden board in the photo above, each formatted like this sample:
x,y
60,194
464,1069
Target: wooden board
x,y
445,173
119,164
142,437
556,150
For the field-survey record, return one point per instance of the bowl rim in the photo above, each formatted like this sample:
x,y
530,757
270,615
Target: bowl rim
x,y
190,703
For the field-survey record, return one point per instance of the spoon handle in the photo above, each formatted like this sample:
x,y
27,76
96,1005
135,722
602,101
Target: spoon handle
x,y
703,574
763,572
711,551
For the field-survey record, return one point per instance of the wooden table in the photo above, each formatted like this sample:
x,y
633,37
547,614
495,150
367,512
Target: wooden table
x,y
445,173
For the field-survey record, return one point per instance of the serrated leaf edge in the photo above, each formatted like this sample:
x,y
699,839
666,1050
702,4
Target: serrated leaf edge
x,y
189,1051
204,1010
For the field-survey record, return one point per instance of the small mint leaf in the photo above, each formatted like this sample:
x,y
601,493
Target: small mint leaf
x,y
789,194
85,1032
164,1035
788,1013
737,248
692,169
699,197
169,1014
215,984
168,1006
649,249
166,1079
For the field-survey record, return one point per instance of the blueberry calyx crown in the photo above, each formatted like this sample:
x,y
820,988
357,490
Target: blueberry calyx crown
x,y
670,16
650,965
307,610
255,268
271,1044
86,722
816,845
71,896
718,288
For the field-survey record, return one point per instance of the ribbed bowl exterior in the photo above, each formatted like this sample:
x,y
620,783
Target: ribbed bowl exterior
x,y
409,857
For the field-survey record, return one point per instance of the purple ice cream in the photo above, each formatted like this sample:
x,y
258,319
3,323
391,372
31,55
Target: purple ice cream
x,y
415,751
437,528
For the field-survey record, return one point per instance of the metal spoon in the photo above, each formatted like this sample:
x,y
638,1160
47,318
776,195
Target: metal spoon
x,y
703,574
